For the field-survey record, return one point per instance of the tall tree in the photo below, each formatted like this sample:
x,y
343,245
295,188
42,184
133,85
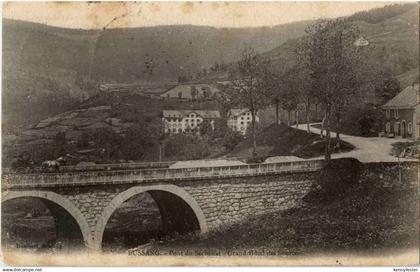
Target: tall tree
x,y
249,86
330,57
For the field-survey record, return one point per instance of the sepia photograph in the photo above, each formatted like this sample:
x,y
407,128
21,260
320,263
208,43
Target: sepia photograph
x,y
210,133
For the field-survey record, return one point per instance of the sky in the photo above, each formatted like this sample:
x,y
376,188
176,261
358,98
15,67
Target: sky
x,y
137,14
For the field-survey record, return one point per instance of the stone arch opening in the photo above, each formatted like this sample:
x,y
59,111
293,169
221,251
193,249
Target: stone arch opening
x,y
179,212
49,221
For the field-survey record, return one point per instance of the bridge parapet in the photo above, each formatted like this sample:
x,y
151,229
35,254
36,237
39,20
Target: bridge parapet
x,y
169,174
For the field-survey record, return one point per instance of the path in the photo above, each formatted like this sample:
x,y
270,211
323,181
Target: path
x,y
367,149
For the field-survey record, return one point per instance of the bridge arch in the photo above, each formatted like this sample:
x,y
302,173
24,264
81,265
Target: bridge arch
x,y
60,201
123,196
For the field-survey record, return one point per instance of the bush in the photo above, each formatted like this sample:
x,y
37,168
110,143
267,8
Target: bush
x,y
186,147
232,139
363,120
335,180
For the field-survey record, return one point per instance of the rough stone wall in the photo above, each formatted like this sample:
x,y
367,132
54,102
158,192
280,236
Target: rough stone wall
x,y
228,201
223,201
91,200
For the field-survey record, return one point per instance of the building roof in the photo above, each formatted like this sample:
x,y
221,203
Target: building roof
x,y
406,99
187,87
237,112
206,114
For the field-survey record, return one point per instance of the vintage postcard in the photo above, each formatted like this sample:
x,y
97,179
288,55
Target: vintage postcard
x,y
210,133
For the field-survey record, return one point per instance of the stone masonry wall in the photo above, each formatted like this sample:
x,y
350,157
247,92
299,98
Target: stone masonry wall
x,y
229,201
223,201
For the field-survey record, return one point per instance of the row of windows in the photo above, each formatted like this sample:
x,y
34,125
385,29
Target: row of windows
x,y
389,113
397,128
186,120
179,130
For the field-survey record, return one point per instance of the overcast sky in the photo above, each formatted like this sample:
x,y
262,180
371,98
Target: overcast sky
x,y
218,14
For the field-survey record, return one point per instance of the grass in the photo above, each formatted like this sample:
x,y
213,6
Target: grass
x,y
282,140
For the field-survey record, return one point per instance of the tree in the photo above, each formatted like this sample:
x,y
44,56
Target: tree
x,y
109,140
386,87
194,92
206,128
60,144
231,139
83,140
249,85
220,128
137,141
327,52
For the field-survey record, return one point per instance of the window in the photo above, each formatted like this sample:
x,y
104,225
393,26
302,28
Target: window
x,y
396,113
388,127
410,128
242,123
387,113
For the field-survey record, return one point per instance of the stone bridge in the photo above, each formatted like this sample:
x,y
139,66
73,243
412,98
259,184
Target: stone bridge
x,y
189,199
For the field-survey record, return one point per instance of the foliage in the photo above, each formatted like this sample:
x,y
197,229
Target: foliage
x,y
249,83
84,139
59,145
220,128
362,120
186,147
206,128
386,87
232,139
377,15
138,140
332,61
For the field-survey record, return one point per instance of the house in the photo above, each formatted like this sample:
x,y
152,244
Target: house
x,y
361,42
403,114
190,92
178,121
240,120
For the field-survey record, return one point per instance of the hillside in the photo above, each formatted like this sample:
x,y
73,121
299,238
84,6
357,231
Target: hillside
x,y
48,69
392,32
408,78
282,140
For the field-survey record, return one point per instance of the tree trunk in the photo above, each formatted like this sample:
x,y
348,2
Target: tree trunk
x,y
254,142
297,118
277,112
308,127
328,136
160,152
288,118
337,129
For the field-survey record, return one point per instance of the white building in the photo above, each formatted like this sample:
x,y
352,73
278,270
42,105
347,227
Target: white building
x,y
240,120
177,121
